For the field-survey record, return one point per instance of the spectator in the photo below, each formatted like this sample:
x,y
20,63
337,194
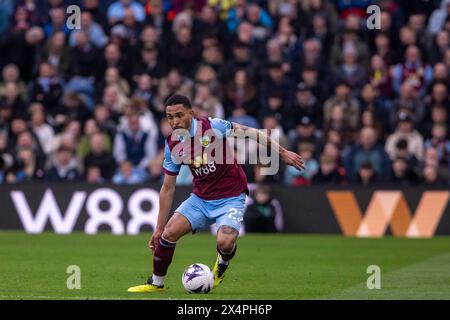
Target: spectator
x,y
402,174
276,81
412,71
374,113
351,106
274,129
438,98
348,40
29,167
311,57
339,123
261,21
366,174
242,58
102,116
380,78
438,17
367,151
155,168
405,130
351,72
57,22
408,102
129,174
11,73
95,9
112,57
112,78
26,140
84,145
6,158
319,29
439,141
440,72
146,119
206,104
47,88
240,95
275,106
295,177
310,78
12,99
384,47
95,31
134,145
93,175
173,83
58,54
206,75
145,90
63,167
402,151
440,45
331,149
209,23
156,16
43,131
100,157
116,11
114,101
129,37
72,108
15,128
431,177
264,214
305,131
213,56
184,52
150,62
327,173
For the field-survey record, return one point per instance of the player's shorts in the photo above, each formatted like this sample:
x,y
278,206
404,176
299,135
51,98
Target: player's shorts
x,y
224,212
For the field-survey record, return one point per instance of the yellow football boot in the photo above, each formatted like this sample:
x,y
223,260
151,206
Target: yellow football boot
x,y
219,272
147,287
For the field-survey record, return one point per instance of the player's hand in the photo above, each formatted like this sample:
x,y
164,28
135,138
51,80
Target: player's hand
x,y
293,159
155,239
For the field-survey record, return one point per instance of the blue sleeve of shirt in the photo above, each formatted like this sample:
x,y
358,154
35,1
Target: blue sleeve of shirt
x,y
220,126
397,77
168,164
115,10
139,12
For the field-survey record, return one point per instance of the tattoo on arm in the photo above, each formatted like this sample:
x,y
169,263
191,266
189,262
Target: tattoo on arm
x,y
227,230
259,136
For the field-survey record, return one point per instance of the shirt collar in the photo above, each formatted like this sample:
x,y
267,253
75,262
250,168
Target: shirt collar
x,y
193,127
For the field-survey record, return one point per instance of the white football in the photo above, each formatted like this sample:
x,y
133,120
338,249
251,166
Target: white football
x,y
198,278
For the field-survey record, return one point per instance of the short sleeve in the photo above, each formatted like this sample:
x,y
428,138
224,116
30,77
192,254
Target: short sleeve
x,y
220,126
169,167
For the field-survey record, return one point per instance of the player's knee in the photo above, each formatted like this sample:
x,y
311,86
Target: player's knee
x,y
225,244
170,235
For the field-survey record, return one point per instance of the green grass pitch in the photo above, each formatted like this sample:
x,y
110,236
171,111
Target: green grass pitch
x,y
265,267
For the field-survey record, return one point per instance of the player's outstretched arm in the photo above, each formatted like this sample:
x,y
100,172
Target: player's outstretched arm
x,y
288,157
165,203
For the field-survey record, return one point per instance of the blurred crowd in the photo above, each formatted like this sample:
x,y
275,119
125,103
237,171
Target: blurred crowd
x,y
362,105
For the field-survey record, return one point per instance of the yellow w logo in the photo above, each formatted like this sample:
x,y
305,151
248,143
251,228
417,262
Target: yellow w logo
x,y
388,208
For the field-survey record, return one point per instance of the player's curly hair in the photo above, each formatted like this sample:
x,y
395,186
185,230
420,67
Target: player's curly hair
x,y
178,99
